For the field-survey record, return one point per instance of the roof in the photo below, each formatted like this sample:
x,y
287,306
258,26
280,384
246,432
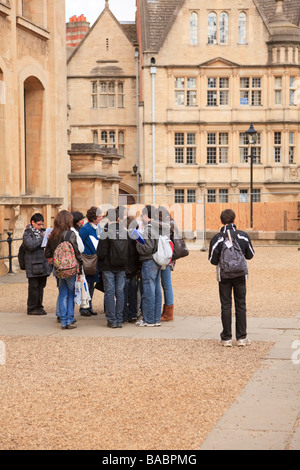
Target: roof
x,y
158,16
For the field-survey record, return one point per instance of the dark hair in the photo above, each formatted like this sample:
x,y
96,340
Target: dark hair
x,y
121,211
91,214
163,214
227,216
113,214
149,211
37,218
77,216
63,221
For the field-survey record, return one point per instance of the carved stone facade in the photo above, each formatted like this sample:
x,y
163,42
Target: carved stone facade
x,y
34,162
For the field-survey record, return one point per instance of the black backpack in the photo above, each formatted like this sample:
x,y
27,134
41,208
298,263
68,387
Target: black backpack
x,y
21,257
232,262
118,252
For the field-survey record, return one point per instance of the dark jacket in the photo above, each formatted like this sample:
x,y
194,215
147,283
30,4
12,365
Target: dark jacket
x,y
53,243
217,241
151,235
35,263
113,247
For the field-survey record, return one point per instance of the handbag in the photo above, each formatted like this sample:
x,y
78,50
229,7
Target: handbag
x,y
89,263
180,248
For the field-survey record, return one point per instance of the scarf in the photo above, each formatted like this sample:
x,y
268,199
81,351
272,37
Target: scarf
x,y
37,233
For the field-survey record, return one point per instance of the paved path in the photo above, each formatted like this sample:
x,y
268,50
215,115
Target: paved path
x,y
266,416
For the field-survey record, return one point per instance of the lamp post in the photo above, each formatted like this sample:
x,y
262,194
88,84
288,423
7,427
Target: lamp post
x,y
251,136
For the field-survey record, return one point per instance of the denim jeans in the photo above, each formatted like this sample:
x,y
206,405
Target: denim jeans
x,y
166,283
152,296
66,300
238,287
130,298
114,295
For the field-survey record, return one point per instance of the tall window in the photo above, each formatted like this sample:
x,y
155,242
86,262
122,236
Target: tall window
x,y
218,91
244,149
185,148
186,91
218,28
278,90
223,25
292,91
242,28
277,147
194,28
107,94
291,147
250,91
212,28
217,148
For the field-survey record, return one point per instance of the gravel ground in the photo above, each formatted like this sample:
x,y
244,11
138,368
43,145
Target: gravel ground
x,y
145,394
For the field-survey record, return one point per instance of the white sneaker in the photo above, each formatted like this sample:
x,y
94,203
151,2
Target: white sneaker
x,y
157,323
226,343
244,342
143,323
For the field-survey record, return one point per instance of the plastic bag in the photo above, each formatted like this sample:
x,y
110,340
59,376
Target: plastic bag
x,y
85,293
77,297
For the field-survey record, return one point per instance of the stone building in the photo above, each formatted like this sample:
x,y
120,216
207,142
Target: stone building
x,y
207,70
102,103
34,162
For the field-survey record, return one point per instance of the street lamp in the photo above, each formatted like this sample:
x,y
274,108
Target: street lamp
x,y
251,136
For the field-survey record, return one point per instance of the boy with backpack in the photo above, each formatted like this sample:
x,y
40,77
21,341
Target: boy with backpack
x,y
229,251
112,252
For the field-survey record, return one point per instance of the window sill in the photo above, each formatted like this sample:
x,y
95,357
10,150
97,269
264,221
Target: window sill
x,y
33,28
5,9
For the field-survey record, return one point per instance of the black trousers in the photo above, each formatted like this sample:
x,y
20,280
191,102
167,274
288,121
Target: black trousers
x,y
237,286
36,287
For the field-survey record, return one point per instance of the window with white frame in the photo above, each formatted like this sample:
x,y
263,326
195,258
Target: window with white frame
x,y
217,91
185,91
223,195
194,28
183,196
211,195
243,195
278,90
292,91
242,29
244,149
179,196
217,148
111,139
107,94
218,28
291,147
250,91
185,148
277,147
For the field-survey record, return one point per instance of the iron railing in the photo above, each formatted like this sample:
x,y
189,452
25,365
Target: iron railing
x,y
10,256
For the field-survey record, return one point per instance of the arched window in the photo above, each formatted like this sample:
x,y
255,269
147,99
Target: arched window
x,y
95,137
194,28
223,25
212,28
242,28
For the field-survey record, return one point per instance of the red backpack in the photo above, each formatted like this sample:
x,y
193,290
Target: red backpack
x,y
64,259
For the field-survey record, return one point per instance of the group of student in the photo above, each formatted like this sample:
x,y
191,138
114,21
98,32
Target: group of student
x,y
132,281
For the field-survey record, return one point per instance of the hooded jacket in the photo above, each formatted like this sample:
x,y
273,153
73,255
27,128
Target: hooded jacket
x,y
153,229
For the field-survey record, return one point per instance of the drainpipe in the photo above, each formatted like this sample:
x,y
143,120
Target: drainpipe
x,y
153,73
136,55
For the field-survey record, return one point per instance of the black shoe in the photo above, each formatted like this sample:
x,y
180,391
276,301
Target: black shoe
x,y
84,312
43,312
119,325
132,320
35,312
92,312
112,325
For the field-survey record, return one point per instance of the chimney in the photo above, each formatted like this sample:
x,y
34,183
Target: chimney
x,y
76,29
